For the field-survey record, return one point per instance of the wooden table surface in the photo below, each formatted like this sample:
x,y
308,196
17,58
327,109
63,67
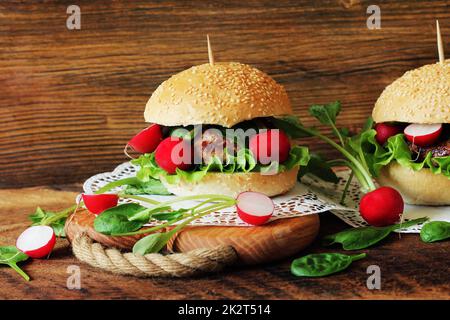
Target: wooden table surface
x,y
409,268
70,100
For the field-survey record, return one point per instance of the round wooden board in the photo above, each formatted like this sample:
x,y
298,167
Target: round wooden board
x,y
272,241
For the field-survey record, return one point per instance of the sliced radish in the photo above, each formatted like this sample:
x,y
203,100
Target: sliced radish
x,y
173,153
147,140
254,208
270,145
385,131
37,241
97,203
423,135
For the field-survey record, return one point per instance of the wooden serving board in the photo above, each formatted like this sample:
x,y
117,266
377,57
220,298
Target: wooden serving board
x,y
272,241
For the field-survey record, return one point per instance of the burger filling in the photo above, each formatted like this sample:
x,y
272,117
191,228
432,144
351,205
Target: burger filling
x,y
257,145
415,148
441,149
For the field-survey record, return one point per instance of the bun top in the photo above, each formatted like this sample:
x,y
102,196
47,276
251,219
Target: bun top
x,y
222,94
419,96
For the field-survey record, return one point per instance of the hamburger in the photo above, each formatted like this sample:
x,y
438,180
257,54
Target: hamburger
x,y
410,150
213,131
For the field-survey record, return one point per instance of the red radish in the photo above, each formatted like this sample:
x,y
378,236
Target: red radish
x,y
173,153
97,203
385,131
261,146
381,207
254,208
147,140
37,241
423,135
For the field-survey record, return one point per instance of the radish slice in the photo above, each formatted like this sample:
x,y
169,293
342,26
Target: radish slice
x,y
423,134
385,131
97,203
254,208
147,140
37,241
174,153
261,146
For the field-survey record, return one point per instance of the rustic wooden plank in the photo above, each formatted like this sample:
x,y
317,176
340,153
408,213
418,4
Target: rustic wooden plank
x,y
71,99
410,269
260,244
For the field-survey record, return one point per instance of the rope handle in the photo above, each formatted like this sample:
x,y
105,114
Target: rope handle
x,y
195,262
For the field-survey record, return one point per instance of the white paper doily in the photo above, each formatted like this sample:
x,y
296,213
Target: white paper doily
x,y
333,193
311,197
299,201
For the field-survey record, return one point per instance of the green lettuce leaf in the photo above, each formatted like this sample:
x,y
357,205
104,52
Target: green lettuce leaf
x,y
396,149
243,161
298,156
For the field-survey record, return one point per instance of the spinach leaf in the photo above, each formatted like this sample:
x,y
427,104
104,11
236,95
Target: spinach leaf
x,y
435,231
152,243
11,256
152,186
116,220
322,264
361,238
318,167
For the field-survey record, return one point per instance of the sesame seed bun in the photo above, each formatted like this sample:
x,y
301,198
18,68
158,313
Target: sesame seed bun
x,y
221,94
232,184
419,96
416,187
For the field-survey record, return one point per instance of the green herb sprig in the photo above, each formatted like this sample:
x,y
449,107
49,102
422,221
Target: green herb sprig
x,y
129,219
349,147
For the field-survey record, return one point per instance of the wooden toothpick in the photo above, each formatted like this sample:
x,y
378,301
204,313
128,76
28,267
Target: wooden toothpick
x,y
210,53
439,43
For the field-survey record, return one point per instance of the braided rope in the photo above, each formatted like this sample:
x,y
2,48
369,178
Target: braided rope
x,y
187,264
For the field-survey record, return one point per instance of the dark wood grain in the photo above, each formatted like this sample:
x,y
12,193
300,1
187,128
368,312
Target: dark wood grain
x,y
69,100
410,269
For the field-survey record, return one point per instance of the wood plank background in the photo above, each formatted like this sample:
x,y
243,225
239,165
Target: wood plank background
x,y
69,100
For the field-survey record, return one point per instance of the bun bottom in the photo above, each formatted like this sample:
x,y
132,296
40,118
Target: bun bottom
x,y
417,187
231,184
